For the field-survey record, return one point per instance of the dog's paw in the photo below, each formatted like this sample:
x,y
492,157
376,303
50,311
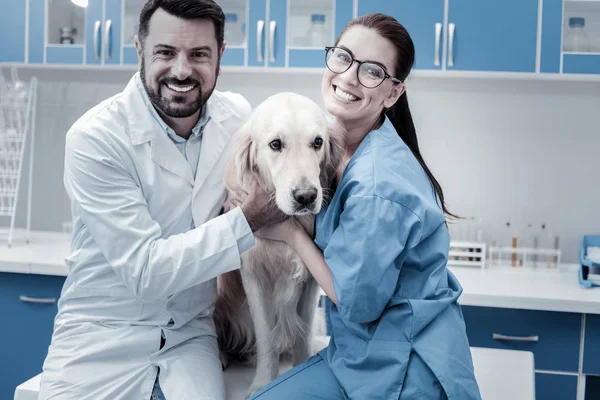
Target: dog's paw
x,y
255,387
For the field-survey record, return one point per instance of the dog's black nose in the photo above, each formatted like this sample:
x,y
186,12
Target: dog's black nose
x,y
305,196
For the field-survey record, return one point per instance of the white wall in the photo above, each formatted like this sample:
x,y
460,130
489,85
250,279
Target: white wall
x,y
503,150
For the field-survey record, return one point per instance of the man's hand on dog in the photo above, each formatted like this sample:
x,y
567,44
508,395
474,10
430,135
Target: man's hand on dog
x,y
257,205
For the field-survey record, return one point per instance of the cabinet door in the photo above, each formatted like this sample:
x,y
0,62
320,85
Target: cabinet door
x,y
312,25
113,11
419,17
131,22
551,36
236,32
591,347
93,32
553,337
28,313
12,31
555,387
65,31
276,33
492,35
37,39
257,33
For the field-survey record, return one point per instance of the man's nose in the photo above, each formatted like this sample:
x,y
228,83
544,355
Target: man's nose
x,y
182,68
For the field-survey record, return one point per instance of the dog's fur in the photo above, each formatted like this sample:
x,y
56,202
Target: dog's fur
x,y
266,308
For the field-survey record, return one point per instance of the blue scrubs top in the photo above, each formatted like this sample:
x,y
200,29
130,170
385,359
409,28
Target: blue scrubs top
x,y
384,238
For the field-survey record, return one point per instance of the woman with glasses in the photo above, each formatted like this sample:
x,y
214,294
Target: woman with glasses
x,y
381,245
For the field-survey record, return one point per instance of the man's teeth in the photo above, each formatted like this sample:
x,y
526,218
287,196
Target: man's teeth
x,y
180,89
346,96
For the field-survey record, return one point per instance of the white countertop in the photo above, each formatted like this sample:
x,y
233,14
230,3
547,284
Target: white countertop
x,y
542,289
44,254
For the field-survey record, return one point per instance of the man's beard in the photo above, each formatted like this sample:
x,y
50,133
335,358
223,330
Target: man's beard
x,y
166,106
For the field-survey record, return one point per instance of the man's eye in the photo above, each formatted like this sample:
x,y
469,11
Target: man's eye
x,y
275,145
164,52
318,143
200,54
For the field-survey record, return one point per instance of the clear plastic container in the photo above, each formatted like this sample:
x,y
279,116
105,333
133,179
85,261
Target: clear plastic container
x,y
576,38
318,36
233,31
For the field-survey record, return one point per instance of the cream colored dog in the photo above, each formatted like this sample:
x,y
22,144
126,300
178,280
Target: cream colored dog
x,y
266,309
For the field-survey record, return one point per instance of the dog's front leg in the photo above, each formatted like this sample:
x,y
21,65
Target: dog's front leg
x,y
307,305
267,359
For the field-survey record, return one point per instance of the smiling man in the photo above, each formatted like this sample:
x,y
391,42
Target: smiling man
x,y
144,173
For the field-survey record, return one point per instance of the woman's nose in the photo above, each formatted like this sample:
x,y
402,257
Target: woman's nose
x,y
350,76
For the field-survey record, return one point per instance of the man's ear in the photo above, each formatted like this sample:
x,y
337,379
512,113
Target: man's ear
x,y
221,51
397,91
140,52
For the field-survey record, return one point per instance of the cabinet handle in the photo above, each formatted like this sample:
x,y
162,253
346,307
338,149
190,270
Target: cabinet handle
x,y
260,27
497,336
451,28
97,39
27,299
438,37
107,41
272,26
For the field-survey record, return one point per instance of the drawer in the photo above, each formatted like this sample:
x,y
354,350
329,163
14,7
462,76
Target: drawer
x,y
28,313
553,337
555,387
591,346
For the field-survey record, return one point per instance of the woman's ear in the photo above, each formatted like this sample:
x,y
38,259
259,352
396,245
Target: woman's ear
x,y
397,91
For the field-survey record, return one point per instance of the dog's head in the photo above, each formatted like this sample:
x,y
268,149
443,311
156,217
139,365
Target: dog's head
x,y
293,148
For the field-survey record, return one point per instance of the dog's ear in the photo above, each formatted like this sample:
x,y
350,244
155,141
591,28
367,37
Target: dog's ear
x,y
334,151
243,164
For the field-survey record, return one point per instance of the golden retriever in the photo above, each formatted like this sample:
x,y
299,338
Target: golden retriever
x,y
266,309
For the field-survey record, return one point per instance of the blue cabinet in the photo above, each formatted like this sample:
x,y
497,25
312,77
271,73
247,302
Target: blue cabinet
x,y
69,34
12,31
591,346
28,304
423,19
553,337
478,35
555,387
492,35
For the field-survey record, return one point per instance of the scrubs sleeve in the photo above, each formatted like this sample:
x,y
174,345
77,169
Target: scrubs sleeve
x,y
365,254
113,208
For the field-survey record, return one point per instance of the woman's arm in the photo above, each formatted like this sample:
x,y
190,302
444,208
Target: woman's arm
x,y
313,258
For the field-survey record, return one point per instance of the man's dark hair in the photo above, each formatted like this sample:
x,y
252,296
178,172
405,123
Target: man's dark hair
x,y
186,9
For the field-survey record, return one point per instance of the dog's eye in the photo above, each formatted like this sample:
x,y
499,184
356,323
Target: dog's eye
x,y
275,145
318,143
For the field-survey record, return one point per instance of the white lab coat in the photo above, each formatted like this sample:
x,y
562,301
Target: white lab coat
x,y
136,269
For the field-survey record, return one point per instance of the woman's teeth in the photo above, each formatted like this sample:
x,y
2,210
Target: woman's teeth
x,y
180,89
346,96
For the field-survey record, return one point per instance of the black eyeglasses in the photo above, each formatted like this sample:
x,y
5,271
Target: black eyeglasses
x,y
370,73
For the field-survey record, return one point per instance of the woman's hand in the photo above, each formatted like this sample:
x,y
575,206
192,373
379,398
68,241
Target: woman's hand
x,y
286,231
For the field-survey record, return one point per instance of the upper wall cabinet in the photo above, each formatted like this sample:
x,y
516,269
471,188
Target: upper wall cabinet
x,y
492,35
581,38
423,19
73,32
478,35
516,36
12,31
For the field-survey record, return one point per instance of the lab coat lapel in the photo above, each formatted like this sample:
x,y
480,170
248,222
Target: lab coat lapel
x,y
214,140
166,154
